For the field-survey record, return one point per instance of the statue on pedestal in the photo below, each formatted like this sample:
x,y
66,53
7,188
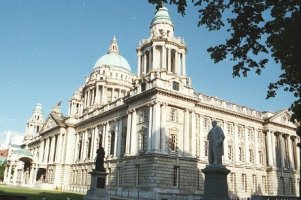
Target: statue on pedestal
x,y
99,164
216,185
216,147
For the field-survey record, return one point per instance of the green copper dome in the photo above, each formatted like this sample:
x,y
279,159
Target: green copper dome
x,y
162,17
113,58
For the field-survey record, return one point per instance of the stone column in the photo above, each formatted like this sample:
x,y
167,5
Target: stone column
x,y
144,63
163,57
184,64
176,62
52,149
150,127
119,136
41,154
269,147
282,151
154,57
186,133
193,134
156,127
59,148
168,60
273,149
104,95
84,146
139,63
163,146
290,153
5,174
201,147
150,60
128,134
89,98
96,101
15,174
226,150
255,142
107,139
31,175
85,99
93,143
46,151
235,148
134,149
103,142
247,154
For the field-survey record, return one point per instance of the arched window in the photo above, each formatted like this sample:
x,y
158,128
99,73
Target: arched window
x,y
112,143
173,115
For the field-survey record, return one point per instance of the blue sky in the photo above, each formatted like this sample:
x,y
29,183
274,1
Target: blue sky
x,y
47,48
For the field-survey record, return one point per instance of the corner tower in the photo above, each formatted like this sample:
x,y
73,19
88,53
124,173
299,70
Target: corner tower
x,y
162,51
35,123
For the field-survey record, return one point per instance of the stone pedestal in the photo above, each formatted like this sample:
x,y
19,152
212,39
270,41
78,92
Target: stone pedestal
x,y
97,189
216,186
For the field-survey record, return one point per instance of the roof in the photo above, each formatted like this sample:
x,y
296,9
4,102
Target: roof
x,y
113,58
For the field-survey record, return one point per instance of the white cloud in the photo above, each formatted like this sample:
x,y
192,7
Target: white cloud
x,y
6,135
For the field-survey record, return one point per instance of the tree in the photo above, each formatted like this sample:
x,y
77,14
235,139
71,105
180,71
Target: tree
x,y
258,28
2,168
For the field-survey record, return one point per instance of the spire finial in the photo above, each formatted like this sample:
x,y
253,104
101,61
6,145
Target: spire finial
x,y
113,48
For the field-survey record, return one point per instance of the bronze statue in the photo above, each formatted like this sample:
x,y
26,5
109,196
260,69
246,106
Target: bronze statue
x,y
216,148
99,164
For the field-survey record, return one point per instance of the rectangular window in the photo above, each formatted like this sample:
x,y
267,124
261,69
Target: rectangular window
x,y
232,181
230,129
241,132
118,176
230,152
175,86
251,154
241,154
291,185
173,115
282,184
206,148
264,184
176,176
244,182
173,142
143,87
137,175
254,182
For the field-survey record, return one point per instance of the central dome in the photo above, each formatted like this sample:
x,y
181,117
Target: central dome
x,y
113,58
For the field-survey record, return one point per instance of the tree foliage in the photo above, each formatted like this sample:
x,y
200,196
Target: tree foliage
x,y
258,29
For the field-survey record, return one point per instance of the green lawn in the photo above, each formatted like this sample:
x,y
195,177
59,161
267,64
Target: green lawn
x,y
35,194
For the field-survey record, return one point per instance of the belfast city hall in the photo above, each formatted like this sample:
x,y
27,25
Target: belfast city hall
x,y
153,126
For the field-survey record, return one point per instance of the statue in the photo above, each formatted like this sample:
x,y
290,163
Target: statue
x,y
99,164
216,148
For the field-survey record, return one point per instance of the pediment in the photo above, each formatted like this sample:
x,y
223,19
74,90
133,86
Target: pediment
x,y
283,118
49,124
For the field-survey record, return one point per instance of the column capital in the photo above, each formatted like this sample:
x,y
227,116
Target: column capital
x,y
163,104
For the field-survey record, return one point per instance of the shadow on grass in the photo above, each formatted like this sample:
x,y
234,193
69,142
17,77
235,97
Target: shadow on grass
x,y
35,194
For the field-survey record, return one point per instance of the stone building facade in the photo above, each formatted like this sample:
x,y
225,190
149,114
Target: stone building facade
x,y
153,127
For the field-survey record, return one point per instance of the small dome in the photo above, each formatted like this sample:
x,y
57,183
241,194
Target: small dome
x,y
113,58
162,17
38,108
77,95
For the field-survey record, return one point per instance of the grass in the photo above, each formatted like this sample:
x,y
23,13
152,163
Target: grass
x,y
36,194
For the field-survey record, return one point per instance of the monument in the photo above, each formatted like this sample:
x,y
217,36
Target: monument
x,y
216,186
97,189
